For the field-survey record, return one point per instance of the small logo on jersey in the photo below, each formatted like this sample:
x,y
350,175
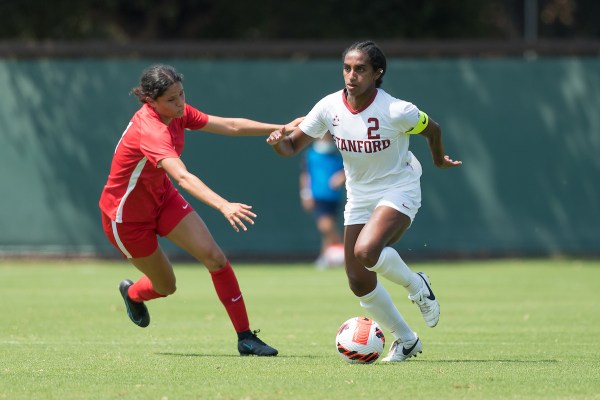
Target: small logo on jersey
x,y
405,206
186,206
336,121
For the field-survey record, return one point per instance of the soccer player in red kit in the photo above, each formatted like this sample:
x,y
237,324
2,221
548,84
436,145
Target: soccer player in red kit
x,y
139,201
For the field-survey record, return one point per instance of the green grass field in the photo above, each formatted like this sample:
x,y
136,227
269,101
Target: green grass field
x,y
509,329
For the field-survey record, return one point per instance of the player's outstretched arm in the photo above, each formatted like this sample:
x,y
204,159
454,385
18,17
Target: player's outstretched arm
x,y
243,126
235,213
433,135
287,145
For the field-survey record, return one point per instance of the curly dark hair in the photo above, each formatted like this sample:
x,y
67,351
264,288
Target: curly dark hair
x,y
155,80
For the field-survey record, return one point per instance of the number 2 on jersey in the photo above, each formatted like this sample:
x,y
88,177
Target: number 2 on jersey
x,y
373,127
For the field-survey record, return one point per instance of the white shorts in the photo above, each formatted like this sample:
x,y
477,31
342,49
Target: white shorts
x,y
406,200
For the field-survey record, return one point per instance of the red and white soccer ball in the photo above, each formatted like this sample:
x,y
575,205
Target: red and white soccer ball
x,y
360,340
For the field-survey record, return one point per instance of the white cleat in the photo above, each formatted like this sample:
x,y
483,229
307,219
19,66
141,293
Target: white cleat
x,y
400,351
425,299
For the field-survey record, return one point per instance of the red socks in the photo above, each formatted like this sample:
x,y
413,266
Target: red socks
x,y
229,293
142,290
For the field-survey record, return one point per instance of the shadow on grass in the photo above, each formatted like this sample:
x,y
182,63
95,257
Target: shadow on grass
x,y
225,355
487,361
410,361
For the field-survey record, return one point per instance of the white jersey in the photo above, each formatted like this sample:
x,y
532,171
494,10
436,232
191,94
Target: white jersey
x,y
373,141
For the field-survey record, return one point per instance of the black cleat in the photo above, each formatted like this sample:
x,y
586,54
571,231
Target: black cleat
x,y
252,345
138,312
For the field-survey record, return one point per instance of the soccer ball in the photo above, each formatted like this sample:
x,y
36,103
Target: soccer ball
x,y
360,340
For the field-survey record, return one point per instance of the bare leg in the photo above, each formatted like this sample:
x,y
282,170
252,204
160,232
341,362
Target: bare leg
x,y
192,235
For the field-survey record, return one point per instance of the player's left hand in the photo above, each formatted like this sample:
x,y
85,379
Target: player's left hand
x,y
449,163
237,213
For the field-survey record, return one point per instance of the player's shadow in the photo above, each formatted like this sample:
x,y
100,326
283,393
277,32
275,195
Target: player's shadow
x,y
487,361
170,354
223,355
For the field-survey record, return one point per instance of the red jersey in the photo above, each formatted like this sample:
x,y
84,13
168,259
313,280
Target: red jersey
x,y
136,187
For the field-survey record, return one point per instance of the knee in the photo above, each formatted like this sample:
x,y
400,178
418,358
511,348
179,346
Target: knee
x,y
165,288
360,286
170,290
325,224
367,255
215,261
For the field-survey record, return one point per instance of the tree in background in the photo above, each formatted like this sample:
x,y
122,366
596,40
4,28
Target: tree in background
x,y
143,20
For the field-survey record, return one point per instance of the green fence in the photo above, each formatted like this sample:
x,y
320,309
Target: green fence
x,y
528,132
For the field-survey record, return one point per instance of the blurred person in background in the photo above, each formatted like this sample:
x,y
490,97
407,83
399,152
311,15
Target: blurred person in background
x,y
140,202
372,130
321,193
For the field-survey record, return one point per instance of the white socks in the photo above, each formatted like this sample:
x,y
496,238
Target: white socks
x,y
379,304
391,266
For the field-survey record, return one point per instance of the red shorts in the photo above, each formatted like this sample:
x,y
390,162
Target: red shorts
x,y
139,239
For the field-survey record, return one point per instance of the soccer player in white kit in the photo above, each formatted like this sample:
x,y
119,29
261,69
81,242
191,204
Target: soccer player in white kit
x,y
372,130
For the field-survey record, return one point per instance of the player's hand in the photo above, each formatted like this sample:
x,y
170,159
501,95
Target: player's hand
x,y
277,136
237,213
449,163
308,204
292,125
337,180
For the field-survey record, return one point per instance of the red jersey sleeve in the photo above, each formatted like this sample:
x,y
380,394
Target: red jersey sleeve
x,y
194,119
